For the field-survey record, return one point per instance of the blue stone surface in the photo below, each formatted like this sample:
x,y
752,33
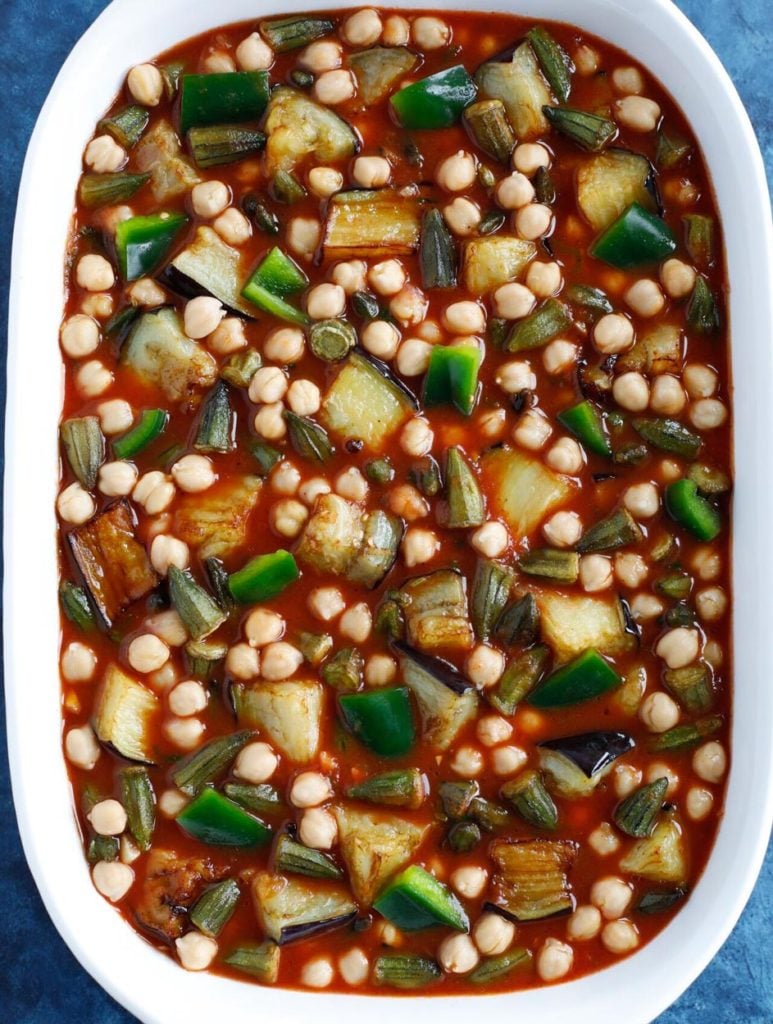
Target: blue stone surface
x,y
40,981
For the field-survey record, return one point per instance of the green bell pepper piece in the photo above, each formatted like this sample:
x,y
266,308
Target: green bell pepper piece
x,y
380,719
278,274
263,577
141,243
436,101
452,377
635,239
152,423
228,98
416,899
585,421
691,510
214,819
588,676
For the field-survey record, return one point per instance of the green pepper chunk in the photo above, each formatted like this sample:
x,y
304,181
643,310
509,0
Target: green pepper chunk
x,y
452,377
276,277
416,899
585,421
586,677
380,719
228,98
635,239
214,819
141,243
151,424
691,510
436,101
263,577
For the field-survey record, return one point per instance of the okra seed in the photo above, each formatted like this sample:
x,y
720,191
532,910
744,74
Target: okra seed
x,y
554,960
195,951
112,879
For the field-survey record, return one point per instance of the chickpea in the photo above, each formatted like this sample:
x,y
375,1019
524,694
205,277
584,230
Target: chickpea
x,y
312,489
416,437
362,29
194,473
677,278
115,416
711,603
595,573
409,305
514,191
210,198
627,80
533,221
78,663
218,62
233,227
145,292
678,647
310,789
565,456
380,670
554,960
285,478
75,505
667,397
626,779
465,317
255,763
93,378
253,54
544,279
184,733
532,430
708,413
112,879
303,236
642,500
645,298
187,698
491,539
321,55
709,762
493,729
325,301
304,397
242,662
356,623
268,384
146,653
620,936
285,345
280,660
508,760
516,376
430,33
528,157
418,546
79,336
318,828
659,712
334,87
287,517
559,356
317,973
491,423
103,155
637,113
513,301
94,273
371,171
81,747
603,840
462,216
586,60
484,665
169,627
584,924
196,951
202,315
700,381
146,84
263,627
381,339
630,569
467,762
354,965
613,333
645,607
493,934
397,31
166,551
563,529
660,770
456,173
699,803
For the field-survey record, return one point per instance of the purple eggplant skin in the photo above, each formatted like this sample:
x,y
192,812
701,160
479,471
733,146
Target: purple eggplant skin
x,y
173,279
591,752
440,670
494,908
311,929
387,373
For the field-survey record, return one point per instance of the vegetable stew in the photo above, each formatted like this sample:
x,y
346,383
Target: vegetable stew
x,y
395,503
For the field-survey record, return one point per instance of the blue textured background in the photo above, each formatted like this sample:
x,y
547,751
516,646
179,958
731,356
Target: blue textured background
x,y
40,981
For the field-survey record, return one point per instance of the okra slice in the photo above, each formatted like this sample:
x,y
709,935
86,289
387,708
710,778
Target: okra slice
x,y
529,796
637,813
139,802
214,909
194,771
199,613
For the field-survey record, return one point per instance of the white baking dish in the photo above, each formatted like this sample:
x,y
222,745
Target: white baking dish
x,y
150,985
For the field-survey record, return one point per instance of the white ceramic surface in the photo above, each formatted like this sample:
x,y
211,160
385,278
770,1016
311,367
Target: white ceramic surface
x,y
150,985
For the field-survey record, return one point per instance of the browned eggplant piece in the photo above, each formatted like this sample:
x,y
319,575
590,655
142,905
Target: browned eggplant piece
x,y
531,882
290,909
114,565
171,886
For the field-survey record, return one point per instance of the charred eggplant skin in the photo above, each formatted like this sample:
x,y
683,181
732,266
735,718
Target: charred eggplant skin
x,y
592,751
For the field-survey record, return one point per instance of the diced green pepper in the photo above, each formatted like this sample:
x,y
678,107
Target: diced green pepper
x,y
635,239
416,899
436,101
691,510
586,422
228,98
381,719
452,377
141,243
263,577
588,676
214,819
151,424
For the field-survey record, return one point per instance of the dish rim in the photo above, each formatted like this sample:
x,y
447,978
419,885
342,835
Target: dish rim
x,y
677,955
